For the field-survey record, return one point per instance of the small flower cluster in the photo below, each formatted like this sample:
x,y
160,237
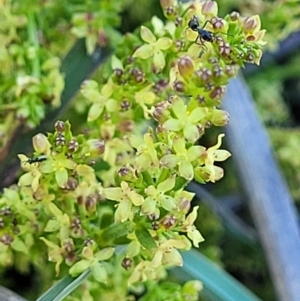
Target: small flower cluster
x,y
140,199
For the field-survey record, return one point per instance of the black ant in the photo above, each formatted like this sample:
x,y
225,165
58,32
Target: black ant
x,y
36,160
203,35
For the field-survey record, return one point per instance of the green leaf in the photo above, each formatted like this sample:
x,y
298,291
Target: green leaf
x,y
63,287
19,245
180,183
116,231
217,283
145,239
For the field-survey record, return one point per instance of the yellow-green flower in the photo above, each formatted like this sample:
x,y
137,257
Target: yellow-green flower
x,y
58,164
192,232
145,97
146,157
215,154
58,253
93,261
157,196
101,99
153,48
142,272
185,120
183,157
127,197
167,253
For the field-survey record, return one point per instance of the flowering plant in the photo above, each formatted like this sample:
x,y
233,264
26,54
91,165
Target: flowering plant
x,y
113,200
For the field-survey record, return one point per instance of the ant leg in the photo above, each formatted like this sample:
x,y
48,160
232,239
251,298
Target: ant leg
x,y
199,41
204,48
207,21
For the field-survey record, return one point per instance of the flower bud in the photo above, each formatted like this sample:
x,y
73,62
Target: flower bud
x,y
168,221
204,74
125,105
90,203
217,92
251,24
161,111
126,263
224,48
59,126
6,239
97,145
73,146
234,16
127,173
220,117
178,86
71,184
41,144
185,66
210,8
217,23
60,140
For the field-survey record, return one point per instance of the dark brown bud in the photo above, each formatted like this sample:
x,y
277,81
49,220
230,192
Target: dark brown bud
x,y
178,21
201,99
155,225
73,146
204,74
125,105
218,71
5,211
68,246
178,86
59,126
224,48
217,23
160,85
6,239
234,16
118,72
80,200
169,221
76,224
126,263
161,111
60,140
90,203
89,242
217,92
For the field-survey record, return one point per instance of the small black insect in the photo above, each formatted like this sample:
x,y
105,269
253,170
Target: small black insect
x,y
203,35
37,159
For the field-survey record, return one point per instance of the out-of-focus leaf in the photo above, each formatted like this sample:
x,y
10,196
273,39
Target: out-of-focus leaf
x,y
218,284
63,287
